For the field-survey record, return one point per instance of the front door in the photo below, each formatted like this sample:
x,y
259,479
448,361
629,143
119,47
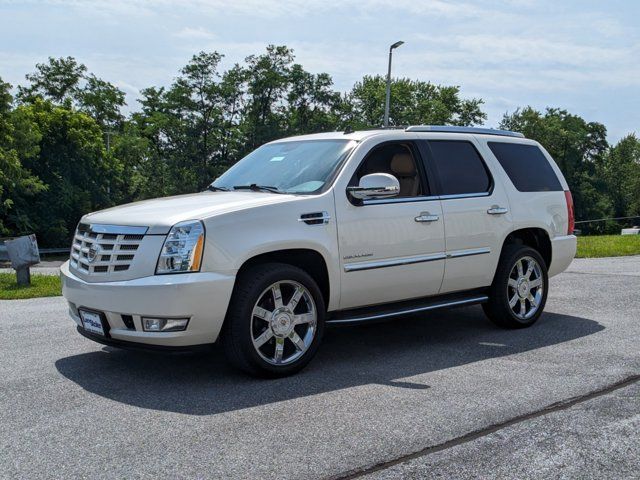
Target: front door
x,y
391,249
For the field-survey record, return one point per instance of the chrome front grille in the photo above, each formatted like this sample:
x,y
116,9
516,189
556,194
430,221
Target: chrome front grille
x,y
105,249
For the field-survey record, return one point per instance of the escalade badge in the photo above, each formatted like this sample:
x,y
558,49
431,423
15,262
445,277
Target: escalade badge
x,y
357,255
92,254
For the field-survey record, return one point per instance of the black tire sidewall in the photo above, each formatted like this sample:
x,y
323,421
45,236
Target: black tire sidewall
x,y
237,332
498,307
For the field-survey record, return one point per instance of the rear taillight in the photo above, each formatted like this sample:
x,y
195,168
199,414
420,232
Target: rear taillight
x,y
571,215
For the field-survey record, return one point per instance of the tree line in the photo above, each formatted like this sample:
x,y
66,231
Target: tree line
x,y
67,148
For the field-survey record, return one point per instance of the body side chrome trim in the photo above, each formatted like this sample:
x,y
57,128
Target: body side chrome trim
x,y
464,195
393,262
468,252
408,311
400,200
425,199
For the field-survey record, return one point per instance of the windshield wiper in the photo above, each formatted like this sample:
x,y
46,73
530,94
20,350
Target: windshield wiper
x,y
213,188
257,188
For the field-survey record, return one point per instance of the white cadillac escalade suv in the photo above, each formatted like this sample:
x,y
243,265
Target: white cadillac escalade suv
x,y
324,229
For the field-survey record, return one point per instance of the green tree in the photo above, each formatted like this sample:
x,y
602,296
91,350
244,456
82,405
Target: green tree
x,y
65,82
578,147
130,151
193,128
621,169
103,102
312,105
194,101
57,80
232,104
268,78
413,102
73,164
17,184
153,124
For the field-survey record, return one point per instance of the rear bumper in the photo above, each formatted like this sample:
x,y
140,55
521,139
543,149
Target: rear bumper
x,y
201,297
563,250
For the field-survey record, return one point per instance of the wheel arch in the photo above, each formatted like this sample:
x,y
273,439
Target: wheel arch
x,y
309,260
536,238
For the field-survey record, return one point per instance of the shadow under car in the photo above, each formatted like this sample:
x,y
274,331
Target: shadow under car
x,y
204,384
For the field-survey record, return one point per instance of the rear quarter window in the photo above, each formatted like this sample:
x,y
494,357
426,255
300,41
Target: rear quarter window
x,y
526,166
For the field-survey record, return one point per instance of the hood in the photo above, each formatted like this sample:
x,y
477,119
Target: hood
x,y
160,214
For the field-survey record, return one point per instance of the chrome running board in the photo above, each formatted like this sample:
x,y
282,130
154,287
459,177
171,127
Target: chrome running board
x,y
387,311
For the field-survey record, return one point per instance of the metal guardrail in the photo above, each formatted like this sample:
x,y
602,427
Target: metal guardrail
x,y
606,219
4,257
53,251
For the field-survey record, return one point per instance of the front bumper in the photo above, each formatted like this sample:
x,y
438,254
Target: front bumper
x,y
201,297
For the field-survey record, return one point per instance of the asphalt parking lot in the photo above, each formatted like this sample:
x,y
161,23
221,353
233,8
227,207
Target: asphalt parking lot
x,y
443,395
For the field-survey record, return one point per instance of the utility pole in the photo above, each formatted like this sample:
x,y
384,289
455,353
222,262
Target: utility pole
x,y
108,133
388,98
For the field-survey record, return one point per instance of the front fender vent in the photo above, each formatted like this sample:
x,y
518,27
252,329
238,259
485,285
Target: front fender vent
x,y
315,218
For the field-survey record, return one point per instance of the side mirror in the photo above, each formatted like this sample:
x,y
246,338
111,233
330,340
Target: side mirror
x,y
374,186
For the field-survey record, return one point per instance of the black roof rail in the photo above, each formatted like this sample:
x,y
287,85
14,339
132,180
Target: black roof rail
x,y
454,129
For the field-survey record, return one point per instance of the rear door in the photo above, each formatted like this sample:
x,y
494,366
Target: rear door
x,y
475,208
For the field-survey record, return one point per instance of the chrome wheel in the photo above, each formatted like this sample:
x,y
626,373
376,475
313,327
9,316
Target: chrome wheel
x,y
525,288
283,322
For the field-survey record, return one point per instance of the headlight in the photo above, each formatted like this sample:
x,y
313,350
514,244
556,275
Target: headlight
x,y
182,249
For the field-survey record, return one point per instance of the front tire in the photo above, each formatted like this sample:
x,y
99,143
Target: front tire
x,y
275,321
519,289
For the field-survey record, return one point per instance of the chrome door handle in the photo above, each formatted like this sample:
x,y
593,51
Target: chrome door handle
x,y
496,210
426,217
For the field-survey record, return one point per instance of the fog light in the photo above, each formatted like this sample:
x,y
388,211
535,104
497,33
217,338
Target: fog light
x,y
155,324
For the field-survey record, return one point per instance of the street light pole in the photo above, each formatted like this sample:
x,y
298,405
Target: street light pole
x,y
388,97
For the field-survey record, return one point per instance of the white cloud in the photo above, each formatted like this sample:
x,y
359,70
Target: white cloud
x,y
270,8
197,33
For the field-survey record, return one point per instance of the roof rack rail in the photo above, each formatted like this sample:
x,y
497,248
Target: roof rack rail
x,y
454,129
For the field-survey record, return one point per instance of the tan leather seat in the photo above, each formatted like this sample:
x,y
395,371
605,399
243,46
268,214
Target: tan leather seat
x,y
404,169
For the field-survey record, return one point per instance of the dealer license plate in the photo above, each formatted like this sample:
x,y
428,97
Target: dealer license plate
x,y
92,322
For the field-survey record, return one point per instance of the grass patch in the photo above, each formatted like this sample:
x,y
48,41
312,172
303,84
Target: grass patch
x,y
608,246
41,286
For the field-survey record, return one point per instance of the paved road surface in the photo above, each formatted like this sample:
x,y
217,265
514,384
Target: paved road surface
x,y
375,394
594,438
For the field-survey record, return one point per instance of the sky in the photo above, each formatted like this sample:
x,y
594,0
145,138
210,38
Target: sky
x,y
579,55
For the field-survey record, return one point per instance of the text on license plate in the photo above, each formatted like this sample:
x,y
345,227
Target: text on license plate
x,y
92,322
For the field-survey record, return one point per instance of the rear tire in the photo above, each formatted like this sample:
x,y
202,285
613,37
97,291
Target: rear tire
x,y
518,293
275,321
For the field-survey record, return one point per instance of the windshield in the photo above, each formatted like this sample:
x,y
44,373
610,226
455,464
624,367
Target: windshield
x,y
303,166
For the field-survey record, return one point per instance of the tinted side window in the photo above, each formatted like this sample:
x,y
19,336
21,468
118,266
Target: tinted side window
x,y
459,167
526,166
398,160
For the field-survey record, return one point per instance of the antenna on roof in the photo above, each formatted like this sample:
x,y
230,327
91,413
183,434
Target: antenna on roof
x,y
348,130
